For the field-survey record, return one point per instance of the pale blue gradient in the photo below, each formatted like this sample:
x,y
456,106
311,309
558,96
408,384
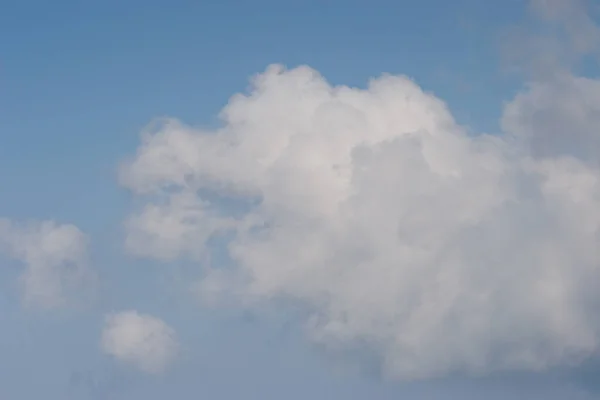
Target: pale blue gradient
x,y
78,80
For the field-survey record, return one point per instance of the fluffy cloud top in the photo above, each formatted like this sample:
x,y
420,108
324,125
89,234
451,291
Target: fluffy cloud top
x,y
396,230
141,340
55,257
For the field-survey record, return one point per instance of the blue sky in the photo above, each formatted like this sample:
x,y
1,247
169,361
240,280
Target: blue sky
x,y
79,81
67,63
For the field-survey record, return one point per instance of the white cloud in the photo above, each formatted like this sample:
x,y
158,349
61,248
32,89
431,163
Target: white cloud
x,y
141,340
439,251
55,257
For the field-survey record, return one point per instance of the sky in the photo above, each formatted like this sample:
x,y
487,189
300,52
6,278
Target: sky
x,y
283,200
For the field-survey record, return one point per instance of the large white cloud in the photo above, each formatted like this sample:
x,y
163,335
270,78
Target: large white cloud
x,y
441,252
55,257
141,340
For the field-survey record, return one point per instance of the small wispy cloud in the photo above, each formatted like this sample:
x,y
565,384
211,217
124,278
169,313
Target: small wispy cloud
x,y
55,259
140,340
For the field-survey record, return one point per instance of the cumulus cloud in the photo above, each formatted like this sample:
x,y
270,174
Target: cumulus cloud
x,y
377,212
141,340
390,225
55,258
